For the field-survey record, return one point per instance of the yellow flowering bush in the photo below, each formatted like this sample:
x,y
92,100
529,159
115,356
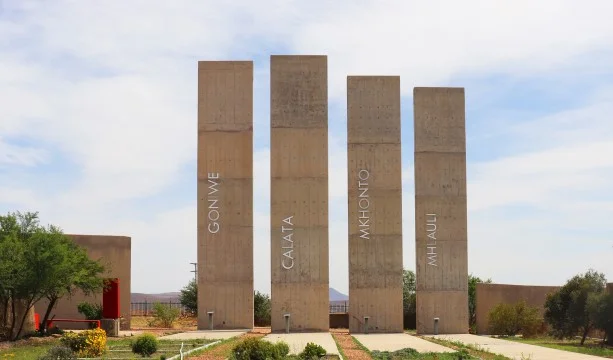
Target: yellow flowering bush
x,y
89,343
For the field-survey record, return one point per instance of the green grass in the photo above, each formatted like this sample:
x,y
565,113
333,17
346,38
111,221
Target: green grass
x,y
232,341
338,346
591,347
412,354
117,348
474,350
28,350
360,345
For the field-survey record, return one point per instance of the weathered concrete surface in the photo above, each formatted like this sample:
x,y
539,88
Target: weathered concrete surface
x,y
204,334
299,192
490,295
393,342
440,210
610,288
225,194
375,203
515,350
298,341
114,252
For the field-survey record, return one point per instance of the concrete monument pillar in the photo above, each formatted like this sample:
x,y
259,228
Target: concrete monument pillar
x,y
225,194
299,193
440,211
375,204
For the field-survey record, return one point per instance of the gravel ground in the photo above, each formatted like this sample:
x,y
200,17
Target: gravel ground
x,y
349,347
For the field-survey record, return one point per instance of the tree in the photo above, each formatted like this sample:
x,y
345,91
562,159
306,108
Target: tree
x,y
68,269
566,310
472,298
512,319
600,308
11,271
261,309
189,297
38,262
409,305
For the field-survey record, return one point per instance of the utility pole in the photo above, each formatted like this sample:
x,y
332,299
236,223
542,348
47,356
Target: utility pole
x,y
195,271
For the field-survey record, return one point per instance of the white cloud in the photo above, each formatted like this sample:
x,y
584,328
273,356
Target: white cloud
x,y
546,209
431,43
111,87
20,155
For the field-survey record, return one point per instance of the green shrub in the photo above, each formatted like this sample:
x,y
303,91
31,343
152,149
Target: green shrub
x,y
513,319
90,311
408,353
58,353
311,351
55,331
258,349
89,343
261,309
145,345
165,314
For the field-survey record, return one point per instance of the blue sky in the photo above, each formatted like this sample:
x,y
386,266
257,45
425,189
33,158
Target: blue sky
x,y
98,120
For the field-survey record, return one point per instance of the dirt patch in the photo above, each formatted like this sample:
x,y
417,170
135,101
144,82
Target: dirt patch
x,y
184,323
348,346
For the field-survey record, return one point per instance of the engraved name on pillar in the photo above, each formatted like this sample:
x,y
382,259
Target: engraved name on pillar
x,y
431,243
287,242
363,204
213,199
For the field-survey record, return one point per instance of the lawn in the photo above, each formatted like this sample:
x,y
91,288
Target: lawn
x,y
476,351
590,347
117,348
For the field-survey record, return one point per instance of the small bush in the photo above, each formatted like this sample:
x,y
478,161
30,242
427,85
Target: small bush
x,y
165,314
261,309
90,311
311,351
55,331
58,353
89,343
145,345
513,319
258,349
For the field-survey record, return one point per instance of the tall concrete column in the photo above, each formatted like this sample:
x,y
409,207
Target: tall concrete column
x,y
225,194
375,204
299,193
440,210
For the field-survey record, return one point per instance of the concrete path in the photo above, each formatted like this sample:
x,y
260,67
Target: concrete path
x,y
393,342
204,334
515,350
297,341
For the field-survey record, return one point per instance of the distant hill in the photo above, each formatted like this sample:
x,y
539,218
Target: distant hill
x,y
337,296
174,297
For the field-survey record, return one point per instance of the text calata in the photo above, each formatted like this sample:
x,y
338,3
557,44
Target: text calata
x,y
363,204
287,242
431,242
212,200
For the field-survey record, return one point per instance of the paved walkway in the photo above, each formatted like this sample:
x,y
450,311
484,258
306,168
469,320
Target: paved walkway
x,y
515,350
297,341
204,334
393,342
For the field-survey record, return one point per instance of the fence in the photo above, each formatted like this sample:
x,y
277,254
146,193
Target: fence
x,y
339,307
146,308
